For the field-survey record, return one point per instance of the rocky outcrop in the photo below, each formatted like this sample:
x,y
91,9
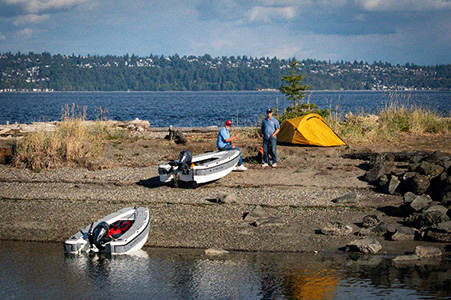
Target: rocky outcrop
x,y
424,181
417,173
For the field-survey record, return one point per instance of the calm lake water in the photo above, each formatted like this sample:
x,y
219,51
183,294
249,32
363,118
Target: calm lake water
x,y
42,271
189,109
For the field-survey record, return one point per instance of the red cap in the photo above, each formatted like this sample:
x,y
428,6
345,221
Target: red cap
x,y
228,123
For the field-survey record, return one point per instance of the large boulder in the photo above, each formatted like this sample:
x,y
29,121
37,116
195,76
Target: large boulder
x,y
404,233
367,246
420,202
419,220
416,183
409,197
425,252
393,185
445,191
437,157
381,164
378,230
429,169
438,233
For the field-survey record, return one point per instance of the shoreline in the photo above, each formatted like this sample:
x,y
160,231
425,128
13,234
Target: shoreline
x,y
294,200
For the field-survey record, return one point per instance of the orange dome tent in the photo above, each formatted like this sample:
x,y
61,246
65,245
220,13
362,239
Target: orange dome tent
x,y
310,129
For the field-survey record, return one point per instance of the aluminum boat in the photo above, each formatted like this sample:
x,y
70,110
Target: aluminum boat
x,y
121,232
199,169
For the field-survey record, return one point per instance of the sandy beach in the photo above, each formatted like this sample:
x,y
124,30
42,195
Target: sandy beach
x,y
294,200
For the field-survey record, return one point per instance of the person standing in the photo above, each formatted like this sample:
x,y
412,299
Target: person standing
x,y
270,129
225,142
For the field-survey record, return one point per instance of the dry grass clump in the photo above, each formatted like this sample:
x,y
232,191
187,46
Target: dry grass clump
x,y
75,141
393,120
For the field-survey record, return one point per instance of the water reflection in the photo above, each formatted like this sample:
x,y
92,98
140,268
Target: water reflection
x,y
40,270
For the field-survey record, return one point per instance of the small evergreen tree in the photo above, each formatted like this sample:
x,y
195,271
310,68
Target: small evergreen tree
x,y
294,91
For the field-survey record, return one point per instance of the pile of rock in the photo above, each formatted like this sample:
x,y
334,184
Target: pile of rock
x,y
424,181
419,173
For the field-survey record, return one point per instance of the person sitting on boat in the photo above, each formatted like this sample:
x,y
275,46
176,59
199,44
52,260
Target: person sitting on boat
x,y
225,142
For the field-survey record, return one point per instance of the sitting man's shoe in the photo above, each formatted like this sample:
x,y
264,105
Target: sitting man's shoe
x,y
240,168
264,165
274,165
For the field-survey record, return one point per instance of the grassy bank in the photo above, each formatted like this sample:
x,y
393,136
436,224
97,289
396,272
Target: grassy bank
x,y
388,124
73,142
80,143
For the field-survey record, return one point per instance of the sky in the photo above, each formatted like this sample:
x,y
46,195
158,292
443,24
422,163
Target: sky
x,y
394,31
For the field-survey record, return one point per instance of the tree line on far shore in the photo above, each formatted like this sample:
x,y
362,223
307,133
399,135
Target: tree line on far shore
x,y
28,72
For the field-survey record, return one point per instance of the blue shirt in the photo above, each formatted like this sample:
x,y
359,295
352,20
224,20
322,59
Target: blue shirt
x,y
269,127
223,134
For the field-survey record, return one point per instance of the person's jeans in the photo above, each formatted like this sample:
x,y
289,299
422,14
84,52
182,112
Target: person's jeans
x,y
270,144
230,147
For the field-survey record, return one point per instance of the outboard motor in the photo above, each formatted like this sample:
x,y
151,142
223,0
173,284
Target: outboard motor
x,y
185,160
98,235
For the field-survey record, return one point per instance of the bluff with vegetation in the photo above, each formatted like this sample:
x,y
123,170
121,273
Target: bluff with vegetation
x,y
41,72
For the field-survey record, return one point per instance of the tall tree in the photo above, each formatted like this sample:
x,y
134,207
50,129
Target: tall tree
x,y
293,89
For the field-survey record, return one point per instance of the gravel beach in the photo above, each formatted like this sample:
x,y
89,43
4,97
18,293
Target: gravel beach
x,y
293,201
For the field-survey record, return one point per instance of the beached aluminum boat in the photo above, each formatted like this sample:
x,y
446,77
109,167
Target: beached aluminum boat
x,y
121,232
201,168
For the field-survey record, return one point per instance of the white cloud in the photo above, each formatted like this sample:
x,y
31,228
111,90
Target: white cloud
x,y
36,6
30,19
220,43
267,14
404,5
2,37
25,33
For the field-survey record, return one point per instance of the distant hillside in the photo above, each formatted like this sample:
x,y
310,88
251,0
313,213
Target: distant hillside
x,y
42,72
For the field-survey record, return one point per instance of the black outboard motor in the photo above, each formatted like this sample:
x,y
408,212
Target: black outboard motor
x,y
98,235
185,160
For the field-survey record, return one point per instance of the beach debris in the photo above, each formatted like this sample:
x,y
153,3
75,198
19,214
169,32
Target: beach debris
x,y
336,229
176,135
137,125
366,245
215,251
267,221
6,154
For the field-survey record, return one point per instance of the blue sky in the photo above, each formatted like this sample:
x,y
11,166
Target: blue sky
x,y
395,31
